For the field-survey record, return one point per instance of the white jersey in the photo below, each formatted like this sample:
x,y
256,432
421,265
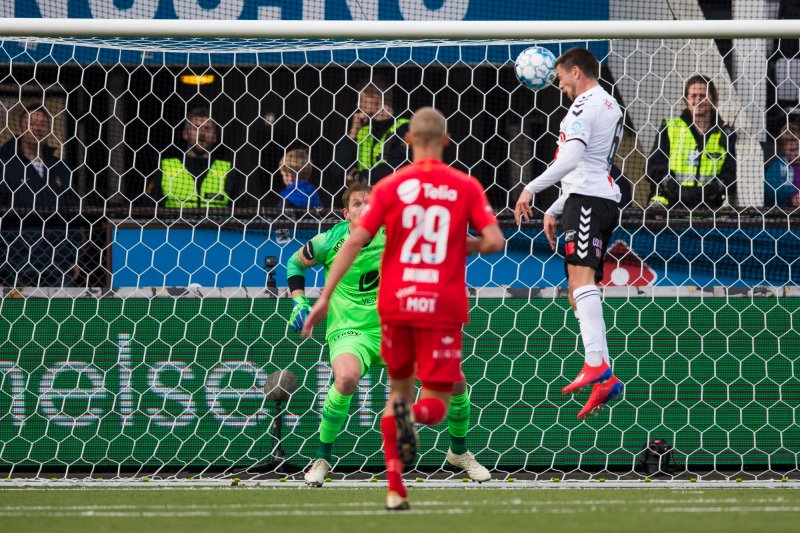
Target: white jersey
x,y
594,119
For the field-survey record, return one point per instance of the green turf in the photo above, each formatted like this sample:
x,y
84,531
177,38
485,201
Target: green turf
x,y
360,510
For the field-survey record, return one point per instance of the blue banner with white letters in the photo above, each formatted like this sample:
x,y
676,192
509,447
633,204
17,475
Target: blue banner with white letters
x,y
313,9
131,52
693,256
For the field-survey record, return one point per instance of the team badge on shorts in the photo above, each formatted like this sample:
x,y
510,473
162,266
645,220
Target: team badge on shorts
x,y
569,242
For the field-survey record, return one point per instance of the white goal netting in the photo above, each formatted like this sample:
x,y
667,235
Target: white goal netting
x,y
137,332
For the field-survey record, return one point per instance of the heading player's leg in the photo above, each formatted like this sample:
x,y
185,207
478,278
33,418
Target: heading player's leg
x,y
587,223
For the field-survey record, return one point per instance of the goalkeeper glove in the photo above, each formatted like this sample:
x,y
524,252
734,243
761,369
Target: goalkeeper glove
x,y
299,312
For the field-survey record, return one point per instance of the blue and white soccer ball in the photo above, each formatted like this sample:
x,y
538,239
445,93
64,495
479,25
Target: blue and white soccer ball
x,y
536,67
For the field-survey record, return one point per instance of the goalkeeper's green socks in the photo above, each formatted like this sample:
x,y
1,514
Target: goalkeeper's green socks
x,y
458,422
334,412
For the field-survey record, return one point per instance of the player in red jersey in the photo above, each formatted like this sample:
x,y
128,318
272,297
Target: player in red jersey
x,y
422,301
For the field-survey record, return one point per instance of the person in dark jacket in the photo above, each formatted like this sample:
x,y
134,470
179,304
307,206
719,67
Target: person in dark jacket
x,y
39,246
693,163
375,145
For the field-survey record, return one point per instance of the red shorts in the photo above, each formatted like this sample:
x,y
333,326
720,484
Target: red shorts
x,y
435,352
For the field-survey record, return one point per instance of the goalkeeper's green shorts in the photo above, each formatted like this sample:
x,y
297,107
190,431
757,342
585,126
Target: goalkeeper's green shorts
x,y
364,344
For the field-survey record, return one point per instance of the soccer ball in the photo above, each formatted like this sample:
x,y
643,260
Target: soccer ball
x,y
536,67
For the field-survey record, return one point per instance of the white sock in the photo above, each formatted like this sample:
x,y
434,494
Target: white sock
x,y
592,358
593,327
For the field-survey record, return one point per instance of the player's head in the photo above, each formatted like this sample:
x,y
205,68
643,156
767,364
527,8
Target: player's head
x,y
790,142
374,95
199,131
701,95
576,68
355,199
35,124
427,131
295,165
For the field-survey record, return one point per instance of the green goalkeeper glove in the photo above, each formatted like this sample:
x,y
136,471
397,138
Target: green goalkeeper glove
x,y
299,312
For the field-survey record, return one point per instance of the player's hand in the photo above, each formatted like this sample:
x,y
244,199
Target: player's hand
x,y
523,211
550,228
359,119
472,244
299,312
319,312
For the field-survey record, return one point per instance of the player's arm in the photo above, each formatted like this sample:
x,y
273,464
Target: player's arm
x,y
569,155
490,241
481,217
313,253
359,237
550,219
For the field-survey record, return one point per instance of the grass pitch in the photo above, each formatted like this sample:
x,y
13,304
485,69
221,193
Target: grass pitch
x,y
436,510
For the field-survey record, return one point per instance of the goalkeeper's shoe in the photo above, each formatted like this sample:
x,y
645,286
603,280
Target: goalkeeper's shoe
x,y
395,502
470,465
589,376
316,473
602,393
406,433
299,312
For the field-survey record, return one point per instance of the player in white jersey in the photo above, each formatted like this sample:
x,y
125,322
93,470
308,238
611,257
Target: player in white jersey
x,y
589,137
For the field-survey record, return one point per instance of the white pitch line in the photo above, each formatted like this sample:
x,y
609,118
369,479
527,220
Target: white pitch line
x,y
422,503
254,514
376,512
739,509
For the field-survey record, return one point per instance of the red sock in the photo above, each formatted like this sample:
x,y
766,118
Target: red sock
x,y
394,466
429,411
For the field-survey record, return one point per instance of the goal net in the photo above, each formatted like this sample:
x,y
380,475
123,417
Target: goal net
x,y
143,338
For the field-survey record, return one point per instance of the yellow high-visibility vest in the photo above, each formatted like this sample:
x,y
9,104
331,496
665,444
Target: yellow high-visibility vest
x,y
688,166
179,186
370,149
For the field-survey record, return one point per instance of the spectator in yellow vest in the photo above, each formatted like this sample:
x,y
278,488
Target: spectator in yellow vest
x,y
198,178
375,145
693,163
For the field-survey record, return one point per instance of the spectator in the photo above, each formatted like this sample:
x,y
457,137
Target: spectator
x,y
375,145
782,176
693,162
37,248
295,169
200,177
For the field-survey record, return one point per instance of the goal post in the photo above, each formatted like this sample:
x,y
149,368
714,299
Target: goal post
x,y
528,30
137,339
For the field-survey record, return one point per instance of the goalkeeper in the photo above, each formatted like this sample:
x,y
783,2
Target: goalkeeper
x,y
354,337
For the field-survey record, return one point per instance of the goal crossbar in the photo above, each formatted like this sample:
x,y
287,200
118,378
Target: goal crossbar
x,y
407,30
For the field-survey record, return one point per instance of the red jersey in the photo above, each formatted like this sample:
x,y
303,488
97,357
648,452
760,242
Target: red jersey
x,y
426,207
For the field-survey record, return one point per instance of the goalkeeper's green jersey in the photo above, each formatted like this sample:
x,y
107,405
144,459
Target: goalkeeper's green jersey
x,y
353,305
